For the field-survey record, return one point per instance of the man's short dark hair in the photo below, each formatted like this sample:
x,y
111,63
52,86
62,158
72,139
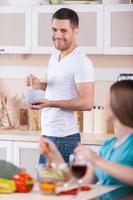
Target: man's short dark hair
x,y
66,13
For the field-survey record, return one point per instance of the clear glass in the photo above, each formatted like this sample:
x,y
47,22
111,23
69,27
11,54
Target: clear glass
x,y
46,182
51,177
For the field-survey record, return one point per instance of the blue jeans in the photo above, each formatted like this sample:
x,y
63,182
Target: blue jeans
x,y
65,145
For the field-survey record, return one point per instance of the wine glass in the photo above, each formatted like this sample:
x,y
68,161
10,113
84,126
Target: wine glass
x,y
78,165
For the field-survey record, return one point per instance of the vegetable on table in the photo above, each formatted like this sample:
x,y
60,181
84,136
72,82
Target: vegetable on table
x,y
8,170
7,185
24,182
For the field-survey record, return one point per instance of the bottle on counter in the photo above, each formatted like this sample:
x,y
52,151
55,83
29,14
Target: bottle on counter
x,y
99,120
79,116
35,120
23,116
88,122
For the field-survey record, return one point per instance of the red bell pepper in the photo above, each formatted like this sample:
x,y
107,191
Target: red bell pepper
x,y
24,182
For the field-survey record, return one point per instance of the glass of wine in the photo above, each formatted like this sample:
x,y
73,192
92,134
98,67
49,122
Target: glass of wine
x,y
78,165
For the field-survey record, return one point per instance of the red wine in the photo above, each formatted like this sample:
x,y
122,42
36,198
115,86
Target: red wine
x,y
79,170
36,103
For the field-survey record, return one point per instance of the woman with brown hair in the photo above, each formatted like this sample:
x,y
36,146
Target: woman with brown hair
x,y
114,164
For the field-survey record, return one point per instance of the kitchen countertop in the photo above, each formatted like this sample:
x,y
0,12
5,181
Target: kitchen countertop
x,y
34,136
20,135
37,195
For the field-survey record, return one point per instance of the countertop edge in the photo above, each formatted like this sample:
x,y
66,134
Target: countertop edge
x,y
34,136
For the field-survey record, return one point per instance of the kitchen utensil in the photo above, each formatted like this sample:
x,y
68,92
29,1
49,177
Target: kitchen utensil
x,y
3,99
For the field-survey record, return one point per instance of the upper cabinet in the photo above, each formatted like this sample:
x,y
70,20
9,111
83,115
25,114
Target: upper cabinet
x,y
104,28
118,29
15,29
90,37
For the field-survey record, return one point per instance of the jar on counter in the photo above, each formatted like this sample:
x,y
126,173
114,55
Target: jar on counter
x,y
35,120
88,122
23,116
100,126
79,117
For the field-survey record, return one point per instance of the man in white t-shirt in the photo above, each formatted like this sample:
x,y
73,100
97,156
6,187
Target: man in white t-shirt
x,y
69,85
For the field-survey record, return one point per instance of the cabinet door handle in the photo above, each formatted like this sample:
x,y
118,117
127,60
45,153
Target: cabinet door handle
x,y
1,50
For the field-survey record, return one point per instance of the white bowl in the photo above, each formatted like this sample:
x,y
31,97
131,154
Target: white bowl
x,y
34,95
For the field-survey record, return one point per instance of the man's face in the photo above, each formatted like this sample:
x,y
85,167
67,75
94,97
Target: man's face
x,y
63,34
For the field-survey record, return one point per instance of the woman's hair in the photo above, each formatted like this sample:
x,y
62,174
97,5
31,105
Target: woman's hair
x,y
121,101
66,13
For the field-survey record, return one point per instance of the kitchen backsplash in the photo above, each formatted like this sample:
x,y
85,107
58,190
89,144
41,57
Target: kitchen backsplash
x,y
13,89
13,71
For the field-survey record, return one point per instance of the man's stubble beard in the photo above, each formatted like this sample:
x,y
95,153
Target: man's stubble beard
x,y
63,47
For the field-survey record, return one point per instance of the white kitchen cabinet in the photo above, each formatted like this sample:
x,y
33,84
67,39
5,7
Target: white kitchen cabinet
x,y
6,150
90,37
26,156
118,29
15,29
104,29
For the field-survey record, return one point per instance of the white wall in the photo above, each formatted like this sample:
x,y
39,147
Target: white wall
x,y
14,68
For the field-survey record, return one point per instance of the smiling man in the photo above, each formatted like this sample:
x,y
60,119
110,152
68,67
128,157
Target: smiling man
x,y
69,85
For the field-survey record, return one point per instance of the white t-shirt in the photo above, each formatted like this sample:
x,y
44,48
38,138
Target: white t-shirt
x,y
62,77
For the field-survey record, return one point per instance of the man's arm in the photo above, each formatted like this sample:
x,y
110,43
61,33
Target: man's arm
x,y
83,102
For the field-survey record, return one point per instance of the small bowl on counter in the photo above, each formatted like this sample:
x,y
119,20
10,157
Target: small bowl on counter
x,y
50,177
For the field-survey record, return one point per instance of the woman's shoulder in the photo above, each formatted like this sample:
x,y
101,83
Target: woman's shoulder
x,y
108,144
109,141
129,142
130,137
